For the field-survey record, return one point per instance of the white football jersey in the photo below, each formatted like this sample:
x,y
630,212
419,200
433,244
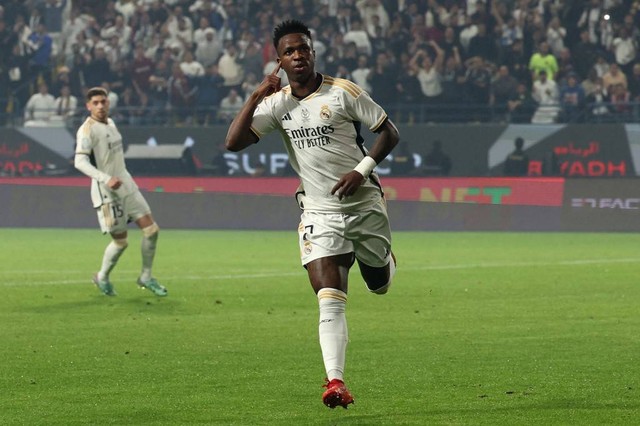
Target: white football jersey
x,y
103,144
322,136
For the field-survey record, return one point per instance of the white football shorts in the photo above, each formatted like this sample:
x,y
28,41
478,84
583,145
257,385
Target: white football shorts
x,y
114,217
367,234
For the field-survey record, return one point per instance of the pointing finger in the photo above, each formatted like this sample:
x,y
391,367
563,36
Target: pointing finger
x,y
276,69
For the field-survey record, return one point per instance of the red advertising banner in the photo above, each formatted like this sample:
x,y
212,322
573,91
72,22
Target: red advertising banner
x,y
502,191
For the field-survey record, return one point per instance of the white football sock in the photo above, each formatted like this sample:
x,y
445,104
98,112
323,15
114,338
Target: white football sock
x,y
332,329
112,253
148,248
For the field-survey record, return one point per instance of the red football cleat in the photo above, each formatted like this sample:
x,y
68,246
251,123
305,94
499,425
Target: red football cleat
x,y
336,394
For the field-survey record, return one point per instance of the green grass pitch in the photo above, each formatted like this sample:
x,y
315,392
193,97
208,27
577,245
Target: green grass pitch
x,y
478,329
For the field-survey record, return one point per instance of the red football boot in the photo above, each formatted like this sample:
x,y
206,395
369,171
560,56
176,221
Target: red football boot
x,y
336,394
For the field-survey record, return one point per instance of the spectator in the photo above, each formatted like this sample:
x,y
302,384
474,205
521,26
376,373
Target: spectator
x,y
209,49
555,36
620,99
436,162
545,93
543,60
430,73
359,36
200,33
572,99
379,78
598,103
230,67
40,107
614,77
625,50
518,63
521,106
252,62
209,94
585,53
190,67
503,88
402,162
141,69
66,107
589,85
361,72
483,45
158,91
181,95
98,69
230,106
40,45
517,163
373,14
120,30
478,88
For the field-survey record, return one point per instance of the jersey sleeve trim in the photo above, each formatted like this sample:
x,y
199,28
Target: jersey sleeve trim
x,y
379,123
256,132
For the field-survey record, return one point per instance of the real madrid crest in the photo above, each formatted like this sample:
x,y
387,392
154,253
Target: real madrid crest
x,y
306,115
325,112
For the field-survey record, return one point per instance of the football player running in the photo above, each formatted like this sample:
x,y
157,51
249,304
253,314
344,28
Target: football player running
x,y
344,218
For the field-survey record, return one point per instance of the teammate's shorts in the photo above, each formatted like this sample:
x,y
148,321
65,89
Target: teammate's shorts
x,y
367,234
114,217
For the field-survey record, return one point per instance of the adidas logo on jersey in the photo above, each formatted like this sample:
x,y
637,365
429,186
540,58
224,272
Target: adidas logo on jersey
x,y
287,117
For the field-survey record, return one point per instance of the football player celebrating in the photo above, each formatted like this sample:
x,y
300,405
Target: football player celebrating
x,y
344,216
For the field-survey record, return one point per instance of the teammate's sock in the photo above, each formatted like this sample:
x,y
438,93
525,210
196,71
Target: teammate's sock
x,y
148,248
332,329
112,253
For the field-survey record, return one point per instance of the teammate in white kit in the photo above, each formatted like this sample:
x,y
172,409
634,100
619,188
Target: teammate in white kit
x,y
115,196
344,215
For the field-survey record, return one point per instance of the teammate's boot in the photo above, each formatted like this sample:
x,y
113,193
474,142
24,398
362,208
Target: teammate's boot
x,y
154,286
104,286
336,394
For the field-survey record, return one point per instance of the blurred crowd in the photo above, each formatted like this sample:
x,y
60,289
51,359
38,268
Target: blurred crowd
x,y
195,61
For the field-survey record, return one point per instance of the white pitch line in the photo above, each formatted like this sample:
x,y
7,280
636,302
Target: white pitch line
x,y
131,275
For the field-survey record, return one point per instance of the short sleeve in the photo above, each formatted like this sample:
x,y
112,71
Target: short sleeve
x,y
263,121
365,110
84,141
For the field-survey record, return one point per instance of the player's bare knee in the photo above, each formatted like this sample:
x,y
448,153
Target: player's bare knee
x,y
151,231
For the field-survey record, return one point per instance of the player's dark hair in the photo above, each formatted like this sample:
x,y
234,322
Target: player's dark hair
x,y
96,91
292,26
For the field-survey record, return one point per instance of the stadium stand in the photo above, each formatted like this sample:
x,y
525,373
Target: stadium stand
x,y
173,61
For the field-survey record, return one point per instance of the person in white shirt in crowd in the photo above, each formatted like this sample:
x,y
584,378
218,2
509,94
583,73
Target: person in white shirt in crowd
x,y
126,7
360,74
174,20
230,67
199,33
191,67
120,29
359,36
625,49
39,108
66,106
370,8
545,92
209,49
230,106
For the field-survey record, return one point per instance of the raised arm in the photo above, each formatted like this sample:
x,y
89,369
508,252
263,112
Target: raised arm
x,y
239,135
